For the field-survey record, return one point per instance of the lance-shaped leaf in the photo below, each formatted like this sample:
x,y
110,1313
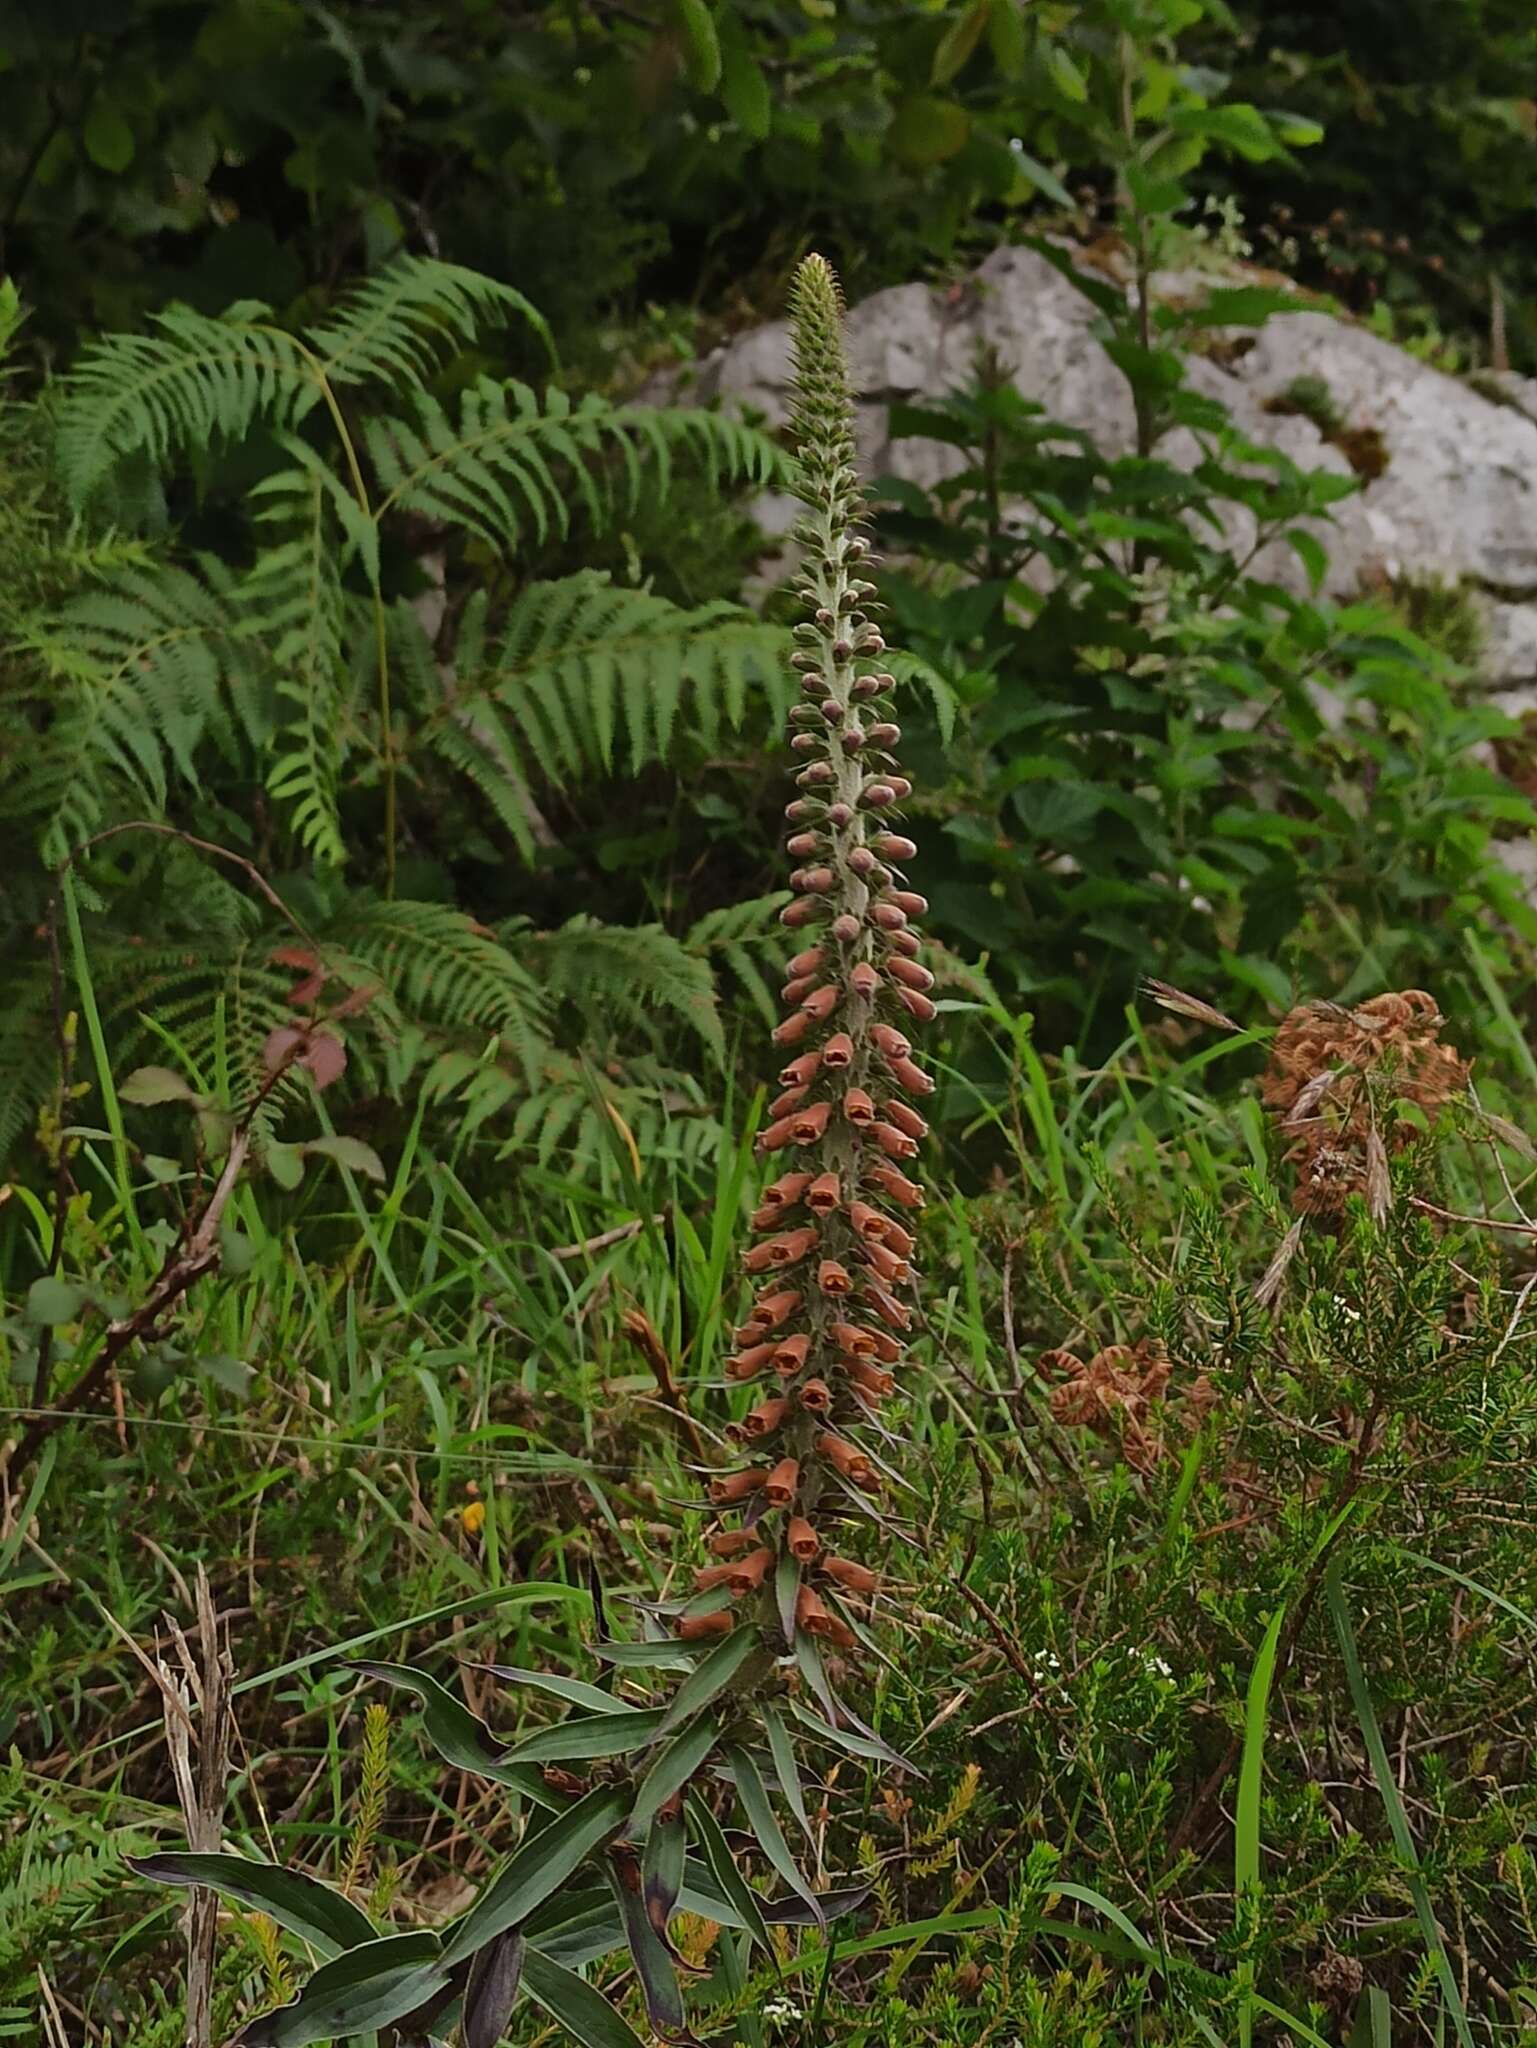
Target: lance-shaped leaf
x,y
492,1990
369,1987
735,1890
326,1919
585,2013
712,1677
589,1735
677,1763
459,1736
539,1866
653,1962
854,1744
572,1690
670,1656
576,1927
662,1870
787,1586
786,1770
765,1825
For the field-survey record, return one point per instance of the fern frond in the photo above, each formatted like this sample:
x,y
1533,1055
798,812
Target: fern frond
x,y
743,937
492,471
618,972
192,383
398,326
579,661
292,601
131,678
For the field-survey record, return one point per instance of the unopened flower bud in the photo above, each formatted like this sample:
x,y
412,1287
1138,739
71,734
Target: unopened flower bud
x,y
792,1030
806,910
812,881
885,735
910,901
897,1185
818,774
917,1005
866,686
839,814
890,1041
905,1119
875,795
887,917
803,845
901,788
806,743
853,739
857,1578
894,1143
892,846
864,979
821,1002
802,985
792,1098
911,1077
845,928
907,943
746,1365
910,974
862,861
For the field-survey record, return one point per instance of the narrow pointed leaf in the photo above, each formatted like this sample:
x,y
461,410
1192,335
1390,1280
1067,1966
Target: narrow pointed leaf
x,y
369,1987
589,1735
712,1676
869,1746
683,1756
666,1656
576,1927
492,1990
585,2013
571,1690
302,1905
538,1867
735,1889
662,1870
653,1964
785,1767
765,1825
456,1734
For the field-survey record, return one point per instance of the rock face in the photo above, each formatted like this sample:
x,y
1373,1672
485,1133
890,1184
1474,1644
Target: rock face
x,y
1456,501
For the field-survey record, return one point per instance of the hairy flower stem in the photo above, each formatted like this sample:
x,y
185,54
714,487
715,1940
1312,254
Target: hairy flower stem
x,y
833,1255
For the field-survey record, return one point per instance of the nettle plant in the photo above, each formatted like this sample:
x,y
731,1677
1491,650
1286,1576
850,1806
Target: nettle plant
x,y
631,1798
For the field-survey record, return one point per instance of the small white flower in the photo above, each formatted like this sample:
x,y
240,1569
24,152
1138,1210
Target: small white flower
x,y
780,2011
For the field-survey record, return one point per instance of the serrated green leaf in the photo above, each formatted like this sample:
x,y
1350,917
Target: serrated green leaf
x,y
539,1866
327,1919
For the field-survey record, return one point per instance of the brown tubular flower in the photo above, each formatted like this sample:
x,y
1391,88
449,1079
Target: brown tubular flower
x,y
1333,1077
855,991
